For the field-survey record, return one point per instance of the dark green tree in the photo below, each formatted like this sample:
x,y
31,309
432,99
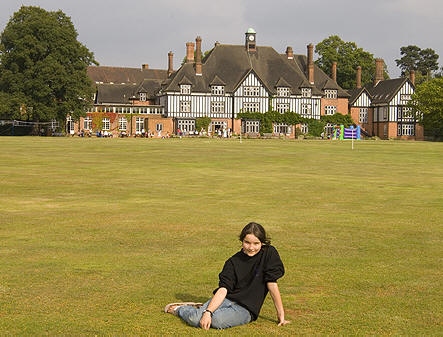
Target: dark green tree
x,y
43,67
425,61
348,57
427,101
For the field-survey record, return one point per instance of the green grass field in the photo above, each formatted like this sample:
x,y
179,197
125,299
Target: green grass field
x,y
97,235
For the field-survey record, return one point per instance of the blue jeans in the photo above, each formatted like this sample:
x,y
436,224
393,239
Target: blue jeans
x,y
227,315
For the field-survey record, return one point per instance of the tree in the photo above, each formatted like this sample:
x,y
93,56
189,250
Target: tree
x,y
427,101
425,61
43,67
348,57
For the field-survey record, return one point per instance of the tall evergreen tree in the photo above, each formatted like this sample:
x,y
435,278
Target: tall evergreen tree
x,y
425,61
43,67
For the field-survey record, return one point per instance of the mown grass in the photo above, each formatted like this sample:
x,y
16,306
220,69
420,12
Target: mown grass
x,y
97,235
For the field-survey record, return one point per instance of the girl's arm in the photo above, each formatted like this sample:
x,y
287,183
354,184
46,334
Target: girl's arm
x,y
275,294
218,299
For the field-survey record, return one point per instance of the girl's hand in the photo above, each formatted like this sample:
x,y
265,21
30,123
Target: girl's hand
x,y
206,320
283,322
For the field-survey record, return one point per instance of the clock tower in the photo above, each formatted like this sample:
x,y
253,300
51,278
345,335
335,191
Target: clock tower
x,y
250,40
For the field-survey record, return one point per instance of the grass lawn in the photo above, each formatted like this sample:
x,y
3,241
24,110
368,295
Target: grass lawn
x,y
97,235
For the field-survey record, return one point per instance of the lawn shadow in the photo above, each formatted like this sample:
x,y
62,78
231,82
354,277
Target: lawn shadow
x,y
183,297
267,319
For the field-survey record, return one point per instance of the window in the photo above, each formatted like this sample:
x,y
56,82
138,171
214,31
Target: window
x,y
106,124
304,128
186,125
283,92
330,109
217,125
282,128
363,115
218,107
185,89
122,123
329,93
405,98
185,106
406,129
282,107
405,114
306,110
251,91
385,113
251,107
139,124
143,96
87,123
251,126
329,129
218,90
305,92
159,127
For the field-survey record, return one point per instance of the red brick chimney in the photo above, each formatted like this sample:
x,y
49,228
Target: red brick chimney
x,y
311,63
198,56
379,76
190,52
358,78
289,53
412,77
145,66
170,63
334,71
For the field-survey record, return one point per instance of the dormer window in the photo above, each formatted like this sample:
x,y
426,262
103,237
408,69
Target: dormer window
x,y
283,92
330,93
143,97
217,90
185,89
306,92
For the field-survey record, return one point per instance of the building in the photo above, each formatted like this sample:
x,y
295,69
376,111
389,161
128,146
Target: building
x,y
381,108
230,79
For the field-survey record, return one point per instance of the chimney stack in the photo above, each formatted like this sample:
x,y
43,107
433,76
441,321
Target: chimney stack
x,y
145,66
334,71
289,53
412,77
358,78
198,56
190,52
379,76
170,63
311,63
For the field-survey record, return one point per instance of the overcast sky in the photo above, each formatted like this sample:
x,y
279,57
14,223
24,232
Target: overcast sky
x,y
132,32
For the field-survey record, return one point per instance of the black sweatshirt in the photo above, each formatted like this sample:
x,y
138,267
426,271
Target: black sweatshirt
x,y
245,277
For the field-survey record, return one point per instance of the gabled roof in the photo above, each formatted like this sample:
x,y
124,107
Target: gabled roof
x,y
282,83
120,75
151,87
114,93
229,64
185,81
384,91
356,93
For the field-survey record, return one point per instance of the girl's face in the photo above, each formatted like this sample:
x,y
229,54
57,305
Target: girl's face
x,y
251,245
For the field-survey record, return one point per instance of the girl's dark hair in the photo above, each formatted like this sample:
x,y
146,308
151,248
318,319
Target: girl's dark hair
x,y
257,230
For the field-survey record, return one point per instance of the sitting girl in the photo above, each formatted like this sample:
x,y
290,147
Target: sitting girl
x,y
244,283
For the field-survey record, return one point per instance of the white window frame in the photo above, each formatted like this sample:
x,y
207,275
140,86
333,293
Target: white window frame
x,y
159,127
251,107
122,123
283,92
186,125
218,107
363,116
306,110
306,92
218,90
251,91
251,126
143,97
406,129
139,124
106,122
282,107
281,128
185,89
87,123
330,110
331,93
185,106
304,128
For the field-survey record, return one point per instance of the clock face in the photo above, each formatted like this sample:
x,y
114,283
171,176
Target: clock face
x,y
251,37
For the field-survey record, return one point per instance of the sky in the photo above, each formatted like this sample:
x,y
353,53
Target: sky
x,y
135,32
